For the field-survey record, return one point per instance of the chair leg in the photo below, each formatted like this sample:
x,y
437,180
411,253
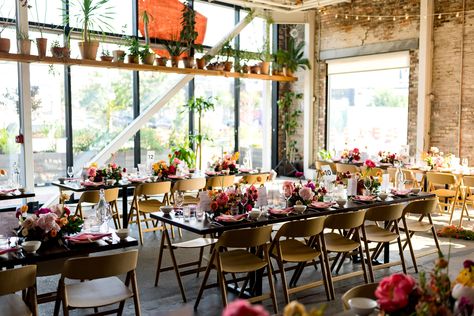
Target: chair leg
x,y
325,258
283,281
180,232
201,253
136,299
271,284
222,286
173,259
172,231
433,231
204,281
160,258
451,211
369,260
410,246
324,276
400,247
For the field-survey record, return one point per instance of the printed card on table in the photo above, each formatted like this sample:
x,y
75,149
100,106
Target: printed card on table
x,y
327,173
262,199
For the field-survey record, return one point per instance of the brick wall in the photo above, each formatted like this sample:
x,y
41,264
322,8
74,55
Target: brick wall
x,y
340,33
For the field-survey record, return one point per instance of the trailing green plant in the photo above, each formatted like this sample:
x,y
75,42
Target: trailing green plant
x,y
266,54
289,120
174,46
185,153
188,34
105,52
92,15
295,56
227,50
199,105
324,154
133,46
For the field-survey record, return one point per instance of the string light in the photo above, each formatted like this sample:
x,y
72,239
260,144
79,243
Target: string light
x,y
394,18
346,17
336,16
439,15
357,18
457,14
380,18
406,17
368,18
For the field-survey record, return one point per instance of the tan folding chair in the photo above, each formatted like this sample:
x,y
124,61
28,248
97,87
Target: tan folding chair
x,y
446,187
467,197
364,290
220,182
422,208
14,280
255,179
391,174
191,188
286,249
241,260
142,205
197,243
102,286
344,244
345,168
410,178
390,215
92,197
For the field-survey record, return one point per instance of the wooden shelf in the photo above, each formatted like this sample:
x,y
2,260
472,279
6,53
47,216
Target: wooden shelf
x,y
138,67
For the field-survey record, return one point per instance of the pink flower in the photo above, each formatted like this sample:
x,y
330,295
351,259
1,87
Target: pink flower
x,y
176,161
310,185
369,163
244,308
288,188
299,174
113,166
30,222
92,172
248,207
306,194
393,292
47,222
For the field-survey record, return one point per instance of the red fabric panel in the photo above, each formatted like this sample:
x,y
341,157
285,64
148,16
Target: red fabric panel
x,y
165,21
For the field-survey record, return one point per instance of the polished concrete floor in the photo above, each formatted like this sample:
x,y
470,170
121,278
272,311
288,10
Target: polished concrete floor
x,y
166,299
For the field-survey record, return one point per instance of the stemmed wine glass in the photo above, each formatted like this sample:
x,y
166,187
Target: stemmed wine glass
x,y
70,171
367,185
178,201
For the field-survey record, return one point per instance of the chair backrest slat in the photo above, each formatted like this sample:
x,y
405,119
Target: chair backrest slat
x,y
421,207
343,168
438,178
384,213
256,179
14,280
154,188
221,181
468,181
194,184
245,238
345,220
304,228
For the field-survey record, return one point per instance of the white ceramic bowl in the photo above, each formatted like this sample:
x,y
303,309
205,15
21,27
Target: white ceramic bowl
x,y
362,305
31,246
166,209
415,190
123,233
383,196
111,181
300,208
254,214
341,202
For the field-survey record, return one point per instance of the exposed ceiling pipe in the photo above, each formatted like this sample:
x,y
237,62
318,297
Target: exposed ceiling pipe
x,y
283,7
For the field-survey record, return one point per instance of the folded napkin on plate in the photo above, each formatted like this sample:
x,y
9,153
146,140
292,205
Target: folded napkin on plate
x,y
87,237
364,198
317,204
284,211
211,173
245,170
173,176
4,251
6,191
91,184
400,192
138,179
230,218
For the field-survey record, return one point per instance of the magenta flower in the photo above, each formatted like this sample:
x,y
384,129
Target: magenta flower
x,y
244,308
306,194
393,292
299,174
310,185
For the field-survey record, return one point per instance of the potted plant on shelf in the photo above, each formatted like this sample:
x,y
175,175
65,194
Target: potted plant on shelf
x,y
133,50
161,61
201,62
199,105
4,42
175,48
295,57
189,35
147,56
279,63
41,42
266,55
226,51
105,55
59,51
24,43
244,58
91,14
119,54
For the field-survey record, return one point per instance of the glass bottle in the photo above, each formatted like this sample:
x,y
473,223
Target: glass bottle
x,y
399,178
103,211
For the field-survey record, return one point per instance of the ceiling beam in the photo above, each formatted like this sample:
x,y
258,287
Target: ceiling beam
x,y
281,6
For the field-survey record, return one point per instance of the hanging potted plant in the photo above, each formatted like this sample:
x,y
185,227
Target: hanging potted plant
x,y
119,54
147,56
24,43
189,35
295,57
175,48
266,55
227,51
133,51
91,14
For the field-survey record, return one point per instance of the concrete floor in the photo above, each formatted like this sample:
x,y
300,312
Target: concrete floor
x,y
166,299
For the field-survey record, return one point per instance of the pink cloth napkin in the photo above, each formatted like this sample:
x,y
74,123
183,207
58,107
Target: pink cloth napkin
x,y
4,251
138,179
245,170
317,204
230,218
401,192
211,173
364,197
284,211
91,184
173,176
87,237
6,191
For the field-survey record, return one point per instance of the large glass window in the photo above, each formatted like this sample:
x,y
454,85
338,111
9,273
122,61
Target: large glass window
x,y
368,103
220,21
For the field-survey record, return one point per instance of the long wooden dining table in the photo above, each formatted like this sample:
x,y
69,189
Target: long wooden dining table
x,y
209,226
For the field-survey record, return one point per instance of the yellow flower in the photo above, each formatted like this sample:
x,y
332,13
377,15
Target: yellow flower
x,y
24,208
466,277
294,309
64,197
236,156
94,165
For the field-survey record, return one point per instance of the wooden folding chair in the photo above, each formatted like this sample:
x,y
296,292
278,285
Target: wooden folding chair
x,y
446,187
14,280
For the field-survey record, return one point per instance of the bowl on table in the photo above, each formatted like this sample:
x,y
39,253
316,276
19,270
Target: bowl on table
x,y
341,202
61,180
383,196
254,214
299,208
123,233
166,209
362,305
415,190
31,246
111,181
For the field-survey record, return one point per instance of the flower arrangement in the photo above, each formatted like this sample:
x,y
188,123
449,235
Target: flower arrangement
x,y
342,178
163,170
387,157
94,173
113,171
244,308
435,158
352,155
303,193
452,231
227,162
367,174
47,223
233,200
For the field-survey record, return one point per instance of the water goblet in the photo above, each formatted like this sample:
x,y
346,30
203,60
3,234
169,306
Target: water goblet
x,y
367,185
70,171
186,213
178,201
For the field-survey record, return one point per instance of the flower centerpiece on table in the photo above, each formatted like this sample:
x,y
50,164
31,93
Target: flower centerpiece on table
x,y
95,174
435,158
227,163
241,307
233,200
162,170
387,157
113,171
351,156
47,224
342,178
302,193
463,289
367,176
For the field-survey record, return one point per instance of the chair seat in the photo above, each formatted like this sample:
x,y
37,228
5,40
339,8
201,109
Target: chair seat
x,y
295,251
338,243
377,234
13,305
149,206
239,260
416,226
444,193
195,243
96,293
276,227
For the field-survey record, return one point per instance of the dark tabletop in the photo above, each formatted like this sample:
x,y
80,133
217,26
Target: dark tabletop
x,y
209,227
12,196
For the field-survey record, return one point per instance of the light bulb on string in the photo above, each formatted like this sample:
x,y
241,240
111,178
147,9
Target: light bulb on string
x,y
336,16
380,18
394,18
457,14
346,16
357,18
406,17
439,16
368,18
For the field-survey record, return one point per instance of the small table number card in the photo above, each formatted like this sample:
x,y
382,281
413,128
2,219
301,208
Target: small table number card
x,y
204,201
328,176
262,199
150,158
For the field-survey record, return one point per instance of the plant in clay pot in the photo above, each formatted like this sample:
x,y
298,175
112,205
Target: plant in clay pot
x,y
227,51
133,50
105,55
175,48
92,15
188,34
255,69
24,43
161,61
245,58
4,42
201,62
147,56
59,51
266,55
41,42
295,57
119,54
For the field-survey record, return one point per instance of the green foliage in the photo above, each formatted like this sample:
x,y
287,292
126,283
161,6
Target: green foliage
x,y
386,98
150,141
83,139
92,15
226,50
188,33
266,51
146,20
4,148
174,47
133,46
293,57
290,123
324,154
184,153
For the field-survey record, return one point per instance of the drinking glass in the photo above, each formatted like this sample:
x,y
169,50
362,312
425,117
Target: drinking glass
x,y
178,199
186,213
199,214
70,171
141,169
367,185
